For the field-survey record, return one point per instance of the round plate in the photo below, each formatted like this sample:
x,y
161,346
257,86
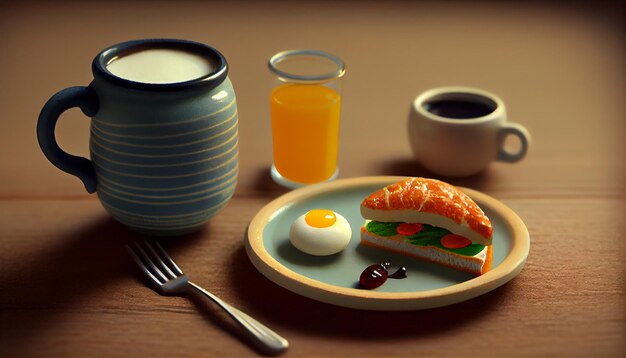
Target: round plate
x,y
334,279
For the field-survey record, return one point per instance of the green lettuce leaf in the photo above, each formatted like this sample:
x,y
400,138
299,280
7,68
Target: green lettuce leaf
x,y
428,236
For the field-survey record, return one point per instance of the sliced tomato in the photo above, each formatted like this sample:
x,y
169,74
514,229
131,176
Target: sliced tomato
x,y
453,241
409,229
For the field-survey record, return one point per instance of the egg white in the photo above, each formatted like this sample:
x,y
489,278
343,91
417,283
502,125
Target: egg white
x,y
320,241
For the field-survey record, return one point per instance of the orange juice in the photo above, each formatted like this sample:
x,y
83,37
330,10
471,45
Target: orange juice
x,y
305,131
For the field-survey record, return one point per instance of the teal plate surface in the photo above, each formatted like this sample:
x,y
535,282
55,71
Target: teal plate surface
x,y
334,279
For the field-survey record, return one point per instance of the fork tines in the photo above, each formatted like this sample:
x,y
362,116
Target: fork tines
x,y
149,259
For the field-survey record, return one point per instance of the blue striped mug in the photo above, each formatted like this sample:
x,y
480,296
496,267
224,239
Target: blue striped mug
x,y
164,139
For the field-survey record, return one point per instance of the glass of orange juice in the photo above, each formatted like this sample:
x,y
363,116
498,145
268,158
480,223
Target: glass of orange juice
x,y
305,106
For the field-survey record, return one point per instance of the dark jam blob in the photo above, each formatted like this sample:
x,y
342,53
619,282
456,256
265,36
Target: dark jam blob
x,y
399,274
373,276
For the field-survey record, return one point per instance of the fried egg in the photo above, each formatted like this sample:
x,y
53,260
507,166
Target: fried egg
x,y
320,232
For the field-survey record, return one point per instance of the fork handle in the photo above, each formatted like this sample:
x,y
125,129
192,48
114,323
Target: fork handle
x,y
266,339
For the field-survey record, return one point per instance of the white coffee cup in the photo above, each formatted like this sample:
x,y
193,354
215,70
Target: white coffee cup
x,y
458,131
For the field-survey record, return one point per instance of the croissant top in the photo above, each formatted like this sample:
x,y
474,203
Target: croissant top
x,y
429,201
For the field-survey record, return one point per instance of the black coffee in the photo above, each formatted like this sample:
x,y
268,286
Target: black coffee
x,y
458,109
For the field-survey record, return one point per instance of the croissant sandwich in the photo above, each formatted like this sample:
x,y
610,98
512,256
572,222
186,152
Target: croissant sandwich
x,y
430,220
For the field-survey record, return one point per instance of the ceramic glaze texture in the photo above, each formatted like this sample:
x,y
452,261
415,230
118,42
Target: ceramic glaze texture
x,y
165,163
164,155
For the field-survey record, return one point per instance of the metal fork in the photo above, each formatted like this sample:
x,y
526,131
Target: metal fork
x,y
170,280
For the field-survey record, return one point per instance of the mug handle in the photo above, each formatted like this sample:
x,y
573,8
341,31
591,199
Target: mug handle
x,y
84,98
517,130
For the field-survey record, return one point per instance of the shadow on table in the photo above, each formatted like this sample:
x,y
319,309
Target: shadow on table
x,y
43,285
264,184
410,167
272,303
58,273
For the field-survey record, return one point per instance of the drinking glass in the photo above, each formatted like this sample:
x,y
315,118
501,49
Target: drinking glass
x,y
305,105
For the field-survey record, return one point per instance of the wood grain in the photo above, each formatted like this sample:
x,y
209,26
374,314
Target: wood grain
x,y
76,289
68,289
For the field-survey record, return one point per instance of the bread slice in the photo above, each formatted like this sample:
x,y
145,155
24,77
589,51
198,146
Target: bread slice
x,y
439,205
477,264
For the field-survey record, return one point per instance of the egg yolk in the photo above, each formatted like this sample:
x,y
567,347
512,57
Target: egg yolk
x,y
320,218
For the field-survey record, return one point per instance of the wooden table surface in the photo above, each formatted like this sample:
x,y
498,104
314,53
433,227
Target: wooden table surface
x,y
67,287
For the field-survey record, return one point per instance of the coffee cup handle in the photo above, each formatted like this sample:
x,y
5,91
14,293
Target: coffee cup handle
x,y
84,98
520,132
